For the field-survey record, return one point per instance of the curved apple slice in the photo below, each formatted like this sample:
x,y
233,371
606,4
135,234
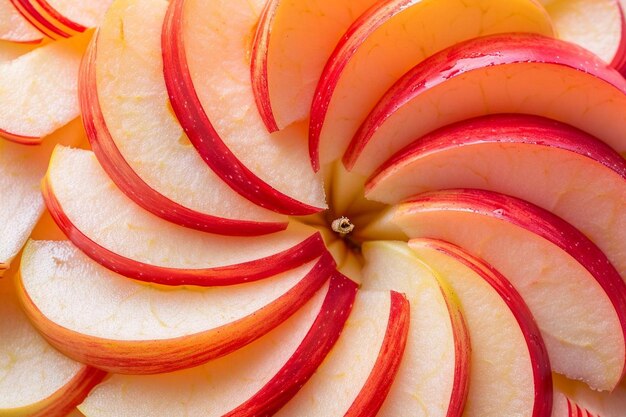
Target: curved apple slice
x,y
287,61
600,404
564,407
434,375
386,42
253,381
39,90
118,234
357,374
36,380
141,329
509,73
40,19
552,165
14,27
575,294
214,102
510,370
75,16
138,140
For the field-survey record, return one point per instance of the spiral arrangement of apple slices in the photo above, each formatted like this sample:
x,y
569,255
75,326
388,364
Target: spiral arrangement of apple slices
x,y
313,208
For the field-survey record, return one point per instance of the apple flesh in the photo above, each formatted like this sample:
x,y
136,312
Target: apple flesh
x,y
573,291
387,41
510,369
255,380
509,73
435,372
349,384
214,102
139,329
14,27
549,164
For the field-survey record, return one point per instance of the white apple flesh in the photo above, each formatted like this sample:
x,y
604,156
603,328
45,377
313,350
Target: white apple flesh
x,y
14,27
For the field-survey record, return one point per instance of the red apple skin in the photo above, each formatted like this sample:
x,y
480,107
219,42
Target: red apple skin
x,y
201,132
147,357
504,128
619,60
471,55
306,251
39,21
308,357
131,184
63,20
378,384
258,67
540,222
542,372
22,140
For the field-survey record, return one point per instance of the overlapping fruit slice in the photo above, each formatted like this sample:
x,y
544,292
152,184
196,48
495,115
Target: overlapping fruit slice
x,y
434,376
571,288
255,380
13,26
510,73
213,100
139,329
552,165
387,41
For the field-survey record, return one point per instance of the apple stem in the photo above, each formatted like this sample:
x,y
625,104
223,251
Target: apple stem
x,y
343,226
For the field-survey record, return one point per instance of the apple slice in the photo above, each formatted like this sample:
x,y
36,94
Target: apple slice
x,y
434,375
14,27
509,73
600,404
40,19
214,102
39,90
575,294
287,61
552,165
387,41
253,381
102,222
138,140
11,50
73,16
138,329
510,370
357,374
565,407
35,379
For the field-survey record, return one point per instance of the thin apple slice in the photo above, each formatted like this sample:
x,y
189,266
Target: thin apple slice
x,y
35,379
575,294
563,406
14,27
74,16
287,61
600,404
253,381
138,140
544,162
40,19
106,225
214,102
387,41
138,329
434,375
509,73
39,90
357,374
510,370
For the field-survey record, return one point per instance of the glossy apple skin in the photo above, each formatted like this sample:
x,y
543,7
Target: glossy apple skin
x,y
475,54
374,392
161,356
131,184
38,20
542,375
314,348
201,132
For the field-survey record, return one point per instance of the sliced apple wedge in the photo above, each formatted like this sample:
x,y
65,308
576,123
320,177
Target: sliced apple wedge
x,y
434,375
214,102
141,329
357,374
39,90
510,370
253,381
573,291
115,232
137,138
552,165
287,61
73,16
387,41
14,27
509,73
35,379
